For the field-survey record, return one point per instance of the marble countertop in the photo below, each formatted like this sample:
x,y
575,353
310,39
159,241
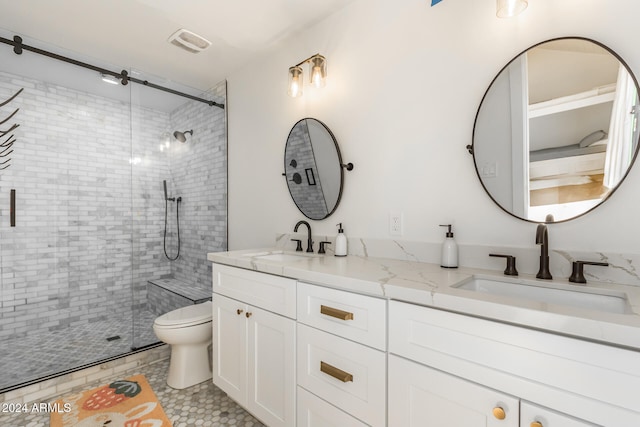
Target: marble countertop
x,y
434,286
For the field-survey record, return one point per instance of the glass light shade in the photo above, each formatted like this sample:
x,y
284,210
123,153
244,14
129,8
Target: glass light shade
x,y
318,70
295,82
510,8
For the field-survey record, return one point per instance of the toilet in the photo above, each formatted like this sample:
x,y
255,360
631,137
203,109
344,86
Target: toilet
x,y
188,331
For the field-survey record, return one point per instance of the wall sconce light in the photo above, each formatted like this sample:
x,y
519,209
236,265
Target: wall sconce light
x,y
510,8
318,70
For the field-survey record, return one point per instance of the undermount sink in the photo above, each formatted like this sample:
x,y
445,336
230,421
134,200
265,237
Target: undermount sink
x,y
280,256
552,293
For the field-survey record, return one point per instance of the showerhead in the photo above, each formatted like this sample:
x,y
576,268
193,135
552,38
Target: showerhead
x,y
182,136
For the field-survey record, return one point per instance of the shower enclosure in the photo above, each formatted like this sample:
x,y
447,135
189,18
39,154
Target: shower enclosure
x,y
83,272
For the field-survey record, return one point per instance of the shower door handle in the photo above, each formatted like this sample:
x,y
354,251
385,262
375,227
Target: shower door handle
x,y
12,208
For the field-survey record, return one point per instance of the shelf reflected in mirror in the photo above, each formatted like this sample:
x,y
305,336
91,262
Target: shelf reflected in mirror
x,y
556,131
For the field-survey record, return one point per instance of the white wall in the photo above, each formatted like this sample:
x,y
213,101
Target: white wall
x,y
405,80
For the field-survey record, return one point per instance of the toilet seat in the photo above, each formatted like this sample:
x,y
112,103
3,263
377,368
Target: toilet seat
x,y
190,315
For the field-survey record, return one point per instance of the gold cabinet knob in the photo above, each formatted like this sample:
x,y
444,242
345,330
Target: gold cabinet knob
x,y
536,424
499,413
239,311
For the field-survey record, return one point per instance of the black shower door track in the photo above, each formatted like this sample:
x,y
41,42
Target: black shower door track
x,y
124,77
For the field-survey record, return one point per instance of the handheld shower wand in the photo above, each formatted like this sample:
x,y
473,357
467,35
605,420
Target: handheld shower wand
x,y
167,199
166,196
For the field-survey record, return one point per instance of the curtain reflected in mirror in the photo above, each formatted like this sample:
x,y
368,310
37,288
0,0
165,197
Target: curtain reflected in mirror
x,y
556,131
313,168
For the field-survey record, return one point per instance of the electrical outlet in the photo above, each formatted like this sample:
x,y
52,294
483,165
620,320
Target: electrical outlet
x,y
395,223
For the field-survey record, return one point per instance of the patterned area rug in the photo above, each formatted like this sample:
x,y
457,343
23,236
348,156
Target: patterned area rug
x,y
124,403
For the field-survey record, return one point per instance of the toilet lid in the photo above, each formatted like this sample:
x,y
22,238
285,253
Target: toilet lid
x,y
187,316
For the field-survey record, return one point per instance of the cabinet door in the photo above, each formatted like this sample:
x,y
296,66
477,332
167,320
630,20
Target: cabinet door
x,y
422,396
271,367
230,347
536,416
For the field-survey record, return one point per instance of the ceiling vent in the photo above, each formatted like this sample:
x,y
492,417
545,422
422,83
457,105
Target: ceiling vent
x,y
189,41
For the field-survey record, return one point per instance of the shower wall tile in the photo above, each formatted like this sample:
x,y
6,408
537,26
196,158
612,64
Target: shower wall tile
x,y
198,171
82,199
150,166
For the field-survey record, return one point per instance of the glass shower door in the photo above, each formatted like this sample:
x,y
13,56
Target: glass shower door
x,y
66,264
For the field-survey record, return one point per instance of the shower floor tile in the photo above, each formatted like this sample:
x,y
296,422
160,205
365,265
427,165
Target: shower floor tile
x,y
201,405
38,355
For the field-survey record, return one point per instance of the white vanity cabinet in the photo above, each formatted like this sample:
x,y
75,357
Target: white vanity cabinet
x,y
307,355
474,365
254,342
341,358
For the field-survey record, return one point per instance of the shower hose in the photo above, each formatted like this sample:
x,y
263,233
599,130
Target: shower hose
x,y
166,208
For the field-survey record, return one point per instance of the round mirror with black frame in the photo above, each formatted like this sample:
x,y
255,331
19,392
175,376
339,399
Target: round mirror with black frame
x,y
313,168
557,130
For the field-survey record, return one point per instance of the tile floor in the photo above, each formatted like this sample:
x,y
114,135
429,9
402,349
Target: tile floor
x,y
37,355
201,405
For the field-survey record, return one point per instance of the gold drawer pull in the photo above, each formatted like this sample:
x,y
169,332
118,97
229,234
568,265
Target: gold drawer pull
x,y
334,312
536,424
336,373
499,413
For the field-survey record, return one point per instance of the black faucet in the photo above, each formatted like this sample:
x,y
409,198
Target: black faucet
x,y
309,241
542,239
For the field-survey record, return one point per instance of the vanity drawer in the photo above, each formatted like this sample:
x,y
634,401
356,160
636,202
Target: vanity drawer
x,y
273,293
531,413
346,374
315,412
593,381
353,316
